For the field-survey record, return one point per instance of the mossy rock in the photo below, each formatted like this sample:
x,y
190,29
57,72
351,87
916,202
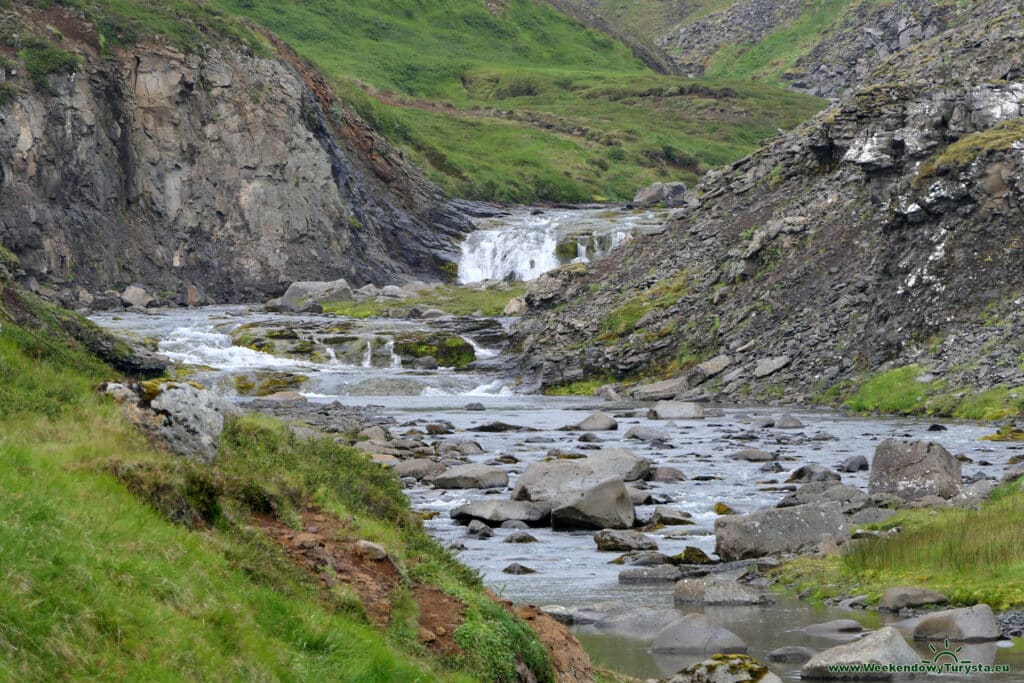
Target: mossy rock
x,y
267,383
567,250
723,509
449,350
694,555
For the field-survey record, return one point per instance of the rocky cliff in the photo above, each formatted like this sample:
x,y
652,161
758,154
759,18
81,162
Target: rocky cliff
x,y
885,231
227,173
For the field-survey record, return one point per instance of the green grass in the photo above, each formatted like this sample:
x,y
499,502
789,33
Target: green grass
x,y
898,391
969,148
970,556
42,59
453,299
585,387
121,562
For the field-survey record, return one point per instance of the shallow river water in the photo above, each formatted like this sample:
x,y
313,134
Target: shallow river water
x,y
570,572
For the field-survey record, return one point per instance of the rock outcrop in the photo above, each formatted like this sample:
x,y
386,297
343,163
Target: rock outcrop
x,y
225,174
780,530
911,470
874,236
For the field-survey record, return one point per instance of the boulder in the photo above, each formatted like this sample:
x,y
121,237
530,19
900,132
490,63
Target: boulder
x,y
515,568
665,473
968,624
479,529
520,537
670,516
302,297
694,634
618,462
850,497
912,470
778,530
418,469
896,598
388,386
884,646
752,455
787,421
856,463
715,591
769,366
136,295
837,629
813,473
555,481
676,410
793,654
662,573
702,372
623,541
639,496
732,668
472,477
598,422
495,512
515,306
647,434
602,506
660,391
669,194
425,363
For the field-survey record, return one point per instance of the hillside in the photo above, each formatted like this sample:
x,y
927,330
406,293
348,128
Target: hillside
x,y
879,237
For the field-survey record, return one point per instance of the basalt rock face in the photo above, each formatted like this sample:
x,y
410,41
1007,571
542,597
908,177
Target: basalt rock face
x,y
883,232
234,172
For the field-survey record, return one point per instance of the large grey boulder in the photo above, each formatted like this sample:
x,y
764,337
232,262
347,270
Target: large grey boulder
x,y
618,462
968,624
641,433
676,410
732,668
896,598
388,386
598,422
850,497
136,295
418,468
669,194
752,455
694,634
302,297
496,512
663,573
779,530
623,540
884,646
710,590
911,470
186,418
555,481
472,477
603,506
660,391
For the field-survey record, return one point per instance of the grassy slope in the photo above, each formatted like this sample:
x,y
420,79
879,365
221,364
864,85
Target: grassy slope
x,y
99,584
583,122
970,556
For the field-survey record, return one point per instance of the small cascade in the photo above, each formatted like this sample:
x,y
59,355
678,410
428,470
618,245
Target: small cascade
x,y
368,355
389,347
480,351
525,245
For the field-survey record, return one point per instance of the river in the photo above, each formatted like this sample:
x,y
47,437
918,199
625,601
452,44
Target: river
x,y
353,362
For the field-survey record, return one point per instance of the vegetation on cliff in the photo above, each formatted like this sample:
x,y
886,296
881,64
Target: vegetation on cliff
x,y
124,562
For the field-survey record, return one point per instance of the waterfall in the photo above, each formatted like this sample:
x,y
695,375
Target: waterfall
x,y
368,354
523,245
396,360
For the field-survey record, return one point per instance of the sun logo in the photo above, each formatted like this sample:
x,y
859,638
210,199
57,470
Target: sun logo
x,y
951,656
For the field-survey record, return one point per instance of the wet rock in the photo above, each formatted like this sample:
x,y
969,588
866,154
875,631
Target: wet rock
x,y
787,421
471,477
850,497
676,410
664,473
520,537
793,654
642,558
856,463
968,624
425,363
837,629
752,455
663,573
722,509
388,386
884,646
622,541
603,506
778,530
670,516
475,406
912,470
598,422
639,496
692,555
433,313
279,399
555,481
518,569
647,434
514,524
694,634
813,473
500,428
479,529
500,511
732,668
715,591
896,598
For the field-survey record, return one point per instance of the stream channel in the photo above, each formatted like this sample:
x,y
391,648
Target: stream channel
x,y
353,362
